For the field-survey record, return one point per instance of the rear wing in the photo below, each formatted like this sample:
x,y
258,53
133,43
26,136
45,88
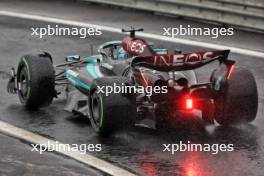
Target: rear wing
x,y
180,62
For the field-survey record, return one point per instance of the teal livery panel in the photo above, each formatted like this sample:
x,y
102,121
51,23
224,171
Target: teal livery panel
x,y
82,79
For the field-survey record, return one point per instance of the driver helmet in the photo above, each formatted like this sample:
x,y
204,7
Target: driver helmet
x,y
121,54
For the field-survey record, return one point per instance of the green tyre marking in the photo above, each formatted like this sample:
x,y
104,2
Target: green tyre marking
x,y
28,73
101,112
25,62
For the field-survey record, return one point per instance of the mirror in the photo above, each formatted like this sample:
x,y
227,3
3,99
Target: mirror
x,y
160,51
72,58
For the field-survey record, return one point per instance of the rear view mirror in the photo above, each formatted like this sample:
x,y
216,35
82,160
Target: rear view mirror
x,y
177,51
160,51
72,58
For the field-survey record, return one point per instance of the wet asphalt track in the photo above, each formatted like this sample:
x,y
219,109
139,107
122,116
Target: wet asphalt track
x,y
138,150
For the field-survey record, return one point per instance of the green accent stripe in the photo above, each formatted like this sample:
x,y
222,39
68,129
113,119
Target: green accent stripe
x,y
90,69
25,62
77,81
28,91
101,112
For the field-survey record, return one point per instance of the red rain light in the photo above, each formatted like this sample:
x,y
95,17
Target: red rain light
x,y
230,71
189,103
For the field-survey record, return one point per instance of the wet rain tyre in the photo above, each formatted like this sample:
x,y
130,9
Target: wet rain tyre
x,y
238,101
111,113
35,81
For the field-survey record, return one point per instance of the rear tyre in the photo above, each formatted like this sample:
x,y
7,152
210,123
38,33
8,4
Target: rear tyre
x,y
237,101
35,81
112,112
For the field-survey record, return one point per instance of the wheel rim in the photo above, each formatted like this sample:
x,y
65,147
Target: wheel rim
x,y
23,83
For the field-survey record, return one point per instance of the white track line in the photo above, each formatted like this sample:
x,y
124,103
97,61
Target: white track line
x,y
83,158
142,34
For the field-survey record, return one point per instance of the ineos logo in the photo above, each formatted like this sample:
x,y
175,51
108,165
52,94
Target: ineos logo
x,y
192,58
173,60
137,47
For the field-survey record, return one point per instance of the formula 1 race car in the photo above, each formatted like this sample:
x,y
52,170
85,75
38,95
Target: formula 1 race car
x,y
130,80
